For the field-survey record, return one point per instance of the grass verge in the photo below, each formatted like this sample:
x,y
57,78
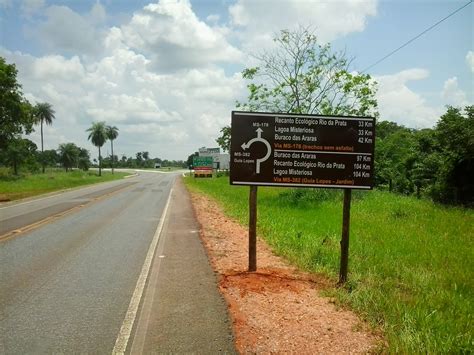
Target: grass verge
x,y
411,261
17,187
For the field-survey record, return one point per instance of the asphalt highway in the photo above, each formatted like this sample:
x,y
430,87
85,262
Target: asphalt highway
x,y
70,265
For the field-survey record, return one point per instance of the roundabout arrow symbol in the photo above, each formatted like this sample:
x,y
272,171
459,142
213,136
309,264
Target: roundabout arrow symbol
x,y
264,141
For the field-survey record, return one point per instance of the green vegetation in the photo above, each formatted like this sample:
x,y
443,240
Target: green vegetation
x,y
15,111
17,119
16,187
410,264
43,113
98,136
301,76
142,160
435,162
112,133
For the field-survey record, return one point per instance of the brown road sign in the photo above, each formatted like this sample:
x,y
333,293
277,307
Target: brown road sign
x,y
302,150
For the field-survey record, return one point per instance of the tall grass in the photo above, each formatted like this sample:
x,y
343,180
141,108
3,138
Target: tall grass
x,y
15,187
411,263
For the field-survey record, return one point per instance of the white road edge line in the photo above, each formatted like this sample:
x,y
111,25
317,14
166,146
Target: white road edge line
x,y
127,325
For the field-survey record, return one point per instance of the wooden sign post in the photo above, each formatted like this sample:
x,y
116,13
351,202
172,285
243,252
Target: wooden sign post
x,y
253,229
346,216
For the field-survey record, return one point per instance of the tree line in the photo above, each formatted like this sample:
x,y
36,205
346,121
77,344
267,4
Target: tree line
x,y
437,162
302,76
18,117
434,162
17,120
142,160
24,154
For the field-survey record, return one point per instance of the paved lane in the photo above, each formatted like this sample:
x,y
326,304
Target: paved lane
x,y
66,285
14,215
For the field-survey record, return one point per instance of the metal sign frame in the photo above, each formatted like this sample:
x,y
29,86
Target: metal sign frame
x,y
311,151
295,150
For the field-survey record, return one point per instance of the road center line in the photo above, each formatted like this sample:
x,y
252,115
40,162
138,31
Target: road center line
x,y
41,222
33,199
129,320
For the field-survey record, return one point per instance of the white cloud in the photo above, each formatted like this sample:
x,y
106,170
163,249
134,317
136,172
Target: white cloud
x,y
214,18
66,31
400,104
154,111
30,7
5,3
54,67
470,60
452,94
172,36
260,20
98,14
157,77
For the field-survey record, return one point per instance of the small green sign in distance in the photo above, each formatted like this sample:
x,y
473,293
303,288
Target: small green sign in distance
x,y
203,162
295,150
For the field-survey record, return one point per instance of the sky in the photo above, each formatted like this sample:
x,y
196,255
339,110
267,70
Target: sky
x,y
167,73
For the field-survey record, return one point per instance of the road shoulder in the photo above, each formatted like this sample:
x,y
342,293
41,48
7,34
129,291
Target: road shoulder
x,y
182,309
277,309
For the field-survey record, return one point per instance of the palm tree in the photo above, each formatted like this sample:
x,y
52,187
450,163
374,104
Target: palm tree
x,y
112,133
68,155
98,136
43,113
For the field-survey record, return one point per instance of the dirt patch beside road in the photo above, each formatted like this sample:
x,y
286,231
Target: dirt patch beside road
x,y
278,308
